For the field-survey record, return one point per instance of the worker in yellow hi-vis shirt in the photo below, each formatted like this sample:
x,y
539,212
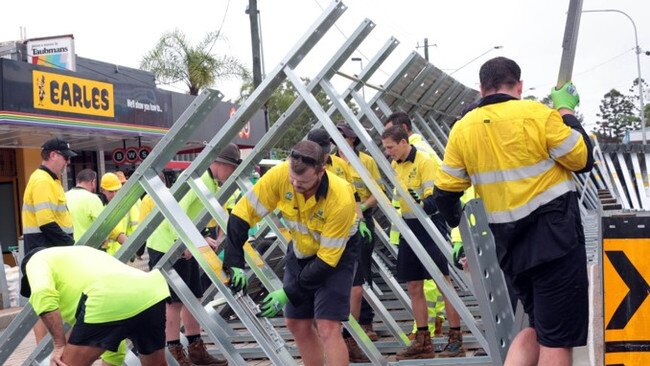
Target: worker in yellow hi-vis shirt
x,y
434,298
368,205
520,155
110,184
318,208
104,300
415,173
45,216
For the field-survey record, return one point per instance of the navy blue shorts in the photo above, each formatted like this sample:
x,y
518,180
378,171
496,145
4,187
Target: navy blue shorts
x,y
146,330
187,269
332,300
555,297
409,267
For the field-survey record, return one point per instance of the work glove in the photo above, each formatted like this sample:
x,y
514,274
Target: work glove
x,y
457,254
566,97
364,231
238,279
273,303
415,196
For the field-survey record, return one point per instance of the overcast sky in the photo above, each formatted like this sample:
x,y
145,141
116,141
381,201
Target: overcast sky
x,y
530,32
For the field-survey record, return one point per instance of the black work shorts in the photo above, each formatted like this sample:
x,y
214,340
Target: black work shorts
x,y
187,269
409,266
332,300
555,297
364,270
146,330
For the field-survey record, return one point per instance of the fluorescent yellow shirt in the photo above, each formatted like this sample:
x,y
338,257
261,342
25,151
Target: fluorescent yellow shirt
x,y
59,275
416,172
518,154
320,225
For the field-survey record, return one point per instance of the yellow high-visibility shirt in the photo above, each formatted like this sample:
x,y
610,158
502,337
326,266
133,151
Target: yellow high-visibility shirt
x,y
358,183
518,154
59,275
85,207
416,172
44,202
320,225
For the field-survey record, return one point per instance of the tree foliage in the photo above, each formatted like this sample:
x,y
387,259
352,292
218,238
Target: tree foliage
x,y
279,102
618,114
174,59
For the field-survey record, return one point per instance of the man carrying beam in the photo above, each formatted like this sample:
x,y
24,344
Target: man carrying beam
x,y
319,209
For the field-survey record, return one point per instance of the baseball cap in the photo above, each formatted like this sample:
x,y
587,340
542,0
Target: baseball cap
x,y
229,155
25,289
321,137
121,176
110,182
62,146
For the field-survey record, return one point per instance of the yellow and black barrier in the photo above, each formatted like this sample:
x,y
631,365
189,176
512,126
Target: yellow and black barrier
x,y
626,280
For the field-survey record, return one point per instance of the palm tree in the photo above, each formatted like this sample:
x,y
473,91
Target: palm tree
x,y
174,60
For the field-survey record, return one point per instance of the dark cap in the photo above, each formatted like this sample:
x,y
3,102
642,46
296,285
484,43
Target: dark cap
x,y
25,289
56,144
348,132
229,155
322,138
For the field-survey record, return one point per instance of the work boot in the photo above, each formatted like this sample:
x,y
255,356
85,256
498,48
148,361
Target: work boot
x,y
454,347
370,332
178,352
411,336
354,352
199,355
420,347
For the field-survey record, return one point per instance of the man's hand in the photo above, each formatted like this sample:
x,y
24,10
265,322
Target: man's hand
x,y
187,254
238,279
566,97
273,303
55,357
212,243
415,196
364,231
458,253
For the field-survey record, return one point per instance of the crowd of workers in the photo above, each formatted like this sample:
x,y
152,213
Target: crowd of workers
x,y
517,155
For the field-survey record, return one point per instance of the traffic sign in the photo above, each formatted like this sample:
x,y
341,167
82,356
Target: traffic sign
x,y
626,280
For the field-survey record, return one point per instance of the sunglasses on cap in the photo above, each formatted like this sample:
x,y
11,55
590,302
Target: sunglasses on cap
x,y
305,159
65,157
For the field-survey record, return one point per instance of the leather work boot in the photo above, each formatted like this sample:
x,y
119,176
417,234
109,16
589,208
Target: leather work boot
x,y
454,347
370,332
420,347
411,336
178,352
200,356
354,352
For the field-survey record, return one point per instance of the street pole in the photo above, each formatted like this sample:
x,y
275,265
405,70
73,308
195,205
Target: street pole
x,y
638,66
426,49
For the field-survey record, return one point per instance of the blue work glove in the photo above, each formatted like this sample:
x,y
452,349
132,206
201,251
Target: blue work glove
x,y
364,231
273,303
458,253
415,196
566,97
238,279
